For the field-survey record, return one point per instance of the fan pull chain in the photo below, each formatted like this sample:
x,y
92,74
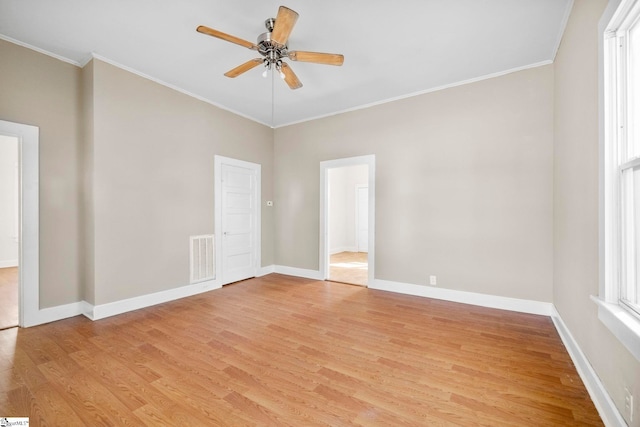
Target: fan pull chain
x,y
273,125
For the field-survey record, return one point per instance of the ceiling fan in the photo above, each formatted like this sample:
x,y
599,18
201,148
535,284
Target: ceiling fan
x,y
273,47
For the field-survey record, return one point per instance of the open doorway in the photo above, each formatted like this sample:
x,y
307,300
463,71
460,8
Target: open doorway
x,y
347,220
348,224
28,273
9,231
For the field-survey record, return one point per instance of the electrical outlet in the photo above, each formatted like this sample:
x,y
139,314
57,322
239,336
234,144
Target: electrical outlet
x,y
433,280
628,405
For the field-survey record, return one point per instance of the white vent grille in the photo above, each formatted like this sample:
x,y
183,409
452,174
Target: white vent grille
x,y
202,258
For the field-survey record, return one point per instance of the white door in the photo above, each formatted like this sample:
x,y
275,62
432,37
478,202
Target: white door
x,y
239,220
362,206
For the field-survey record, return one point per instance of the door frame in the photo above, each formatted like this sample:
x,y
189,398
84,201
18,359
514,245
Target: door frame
x,y
257,250
357,222
28,229
370,161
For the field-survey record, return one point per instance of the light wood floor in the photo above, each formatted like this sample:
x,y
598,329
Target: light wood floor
x,y
8,298
285,351
349,267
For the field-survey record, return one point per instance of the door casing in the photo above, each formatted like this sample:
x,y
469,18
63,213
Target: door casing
x,y
370,161
359,234
29,252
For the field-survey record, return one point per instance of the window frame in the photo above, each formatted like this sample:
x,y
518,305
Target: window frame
x,y
625,281
622,318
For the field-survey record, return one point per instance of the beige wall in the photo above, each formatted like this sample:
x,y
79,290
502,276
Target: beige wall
x,y
41,91
463,185
576,202
153,180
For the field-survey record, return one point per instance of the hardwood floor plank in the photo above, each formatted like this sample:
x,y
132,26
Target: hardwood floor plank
x,y
196,399
49,408
361,411
132,390
90,400
407,400
9,380
280,350
174,415
15,401
256,412
152,416
133,357
28,372
349,267
214,382
8,297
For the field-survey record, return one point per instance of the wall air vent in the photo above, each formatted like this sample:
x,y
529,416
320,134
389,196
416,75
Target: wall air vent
x,y
202,258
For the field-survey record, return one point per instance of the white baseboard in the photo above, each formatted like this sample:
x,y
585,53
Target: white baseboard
x,y
601,399
96,312
101,311
8,263
263,271
483,300
299,272
87,310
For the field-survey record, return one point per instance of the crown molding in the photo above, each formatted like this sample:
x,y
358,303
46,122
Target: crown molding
x,y
39,50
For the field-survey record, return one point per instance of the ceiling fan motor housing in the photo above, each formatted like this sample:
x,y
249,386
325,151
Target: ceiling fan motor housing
x,y
270,49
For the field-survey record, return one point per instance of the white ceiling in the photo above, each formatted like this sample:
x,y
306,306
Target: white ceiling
x,y
392,49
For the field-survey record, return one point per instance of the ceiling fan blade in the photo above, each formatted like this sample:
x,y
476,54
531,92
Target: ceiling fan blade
x,y
290,77
285,21
244,67
224,36
317,57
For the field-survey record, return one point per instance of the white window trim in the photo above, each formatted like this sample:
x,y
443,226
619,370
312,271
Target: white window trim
x,y
621,323
619,320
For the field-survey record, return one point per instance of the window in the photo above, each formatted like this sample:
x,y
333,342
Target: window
x,y
624,146
628,161
619,302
